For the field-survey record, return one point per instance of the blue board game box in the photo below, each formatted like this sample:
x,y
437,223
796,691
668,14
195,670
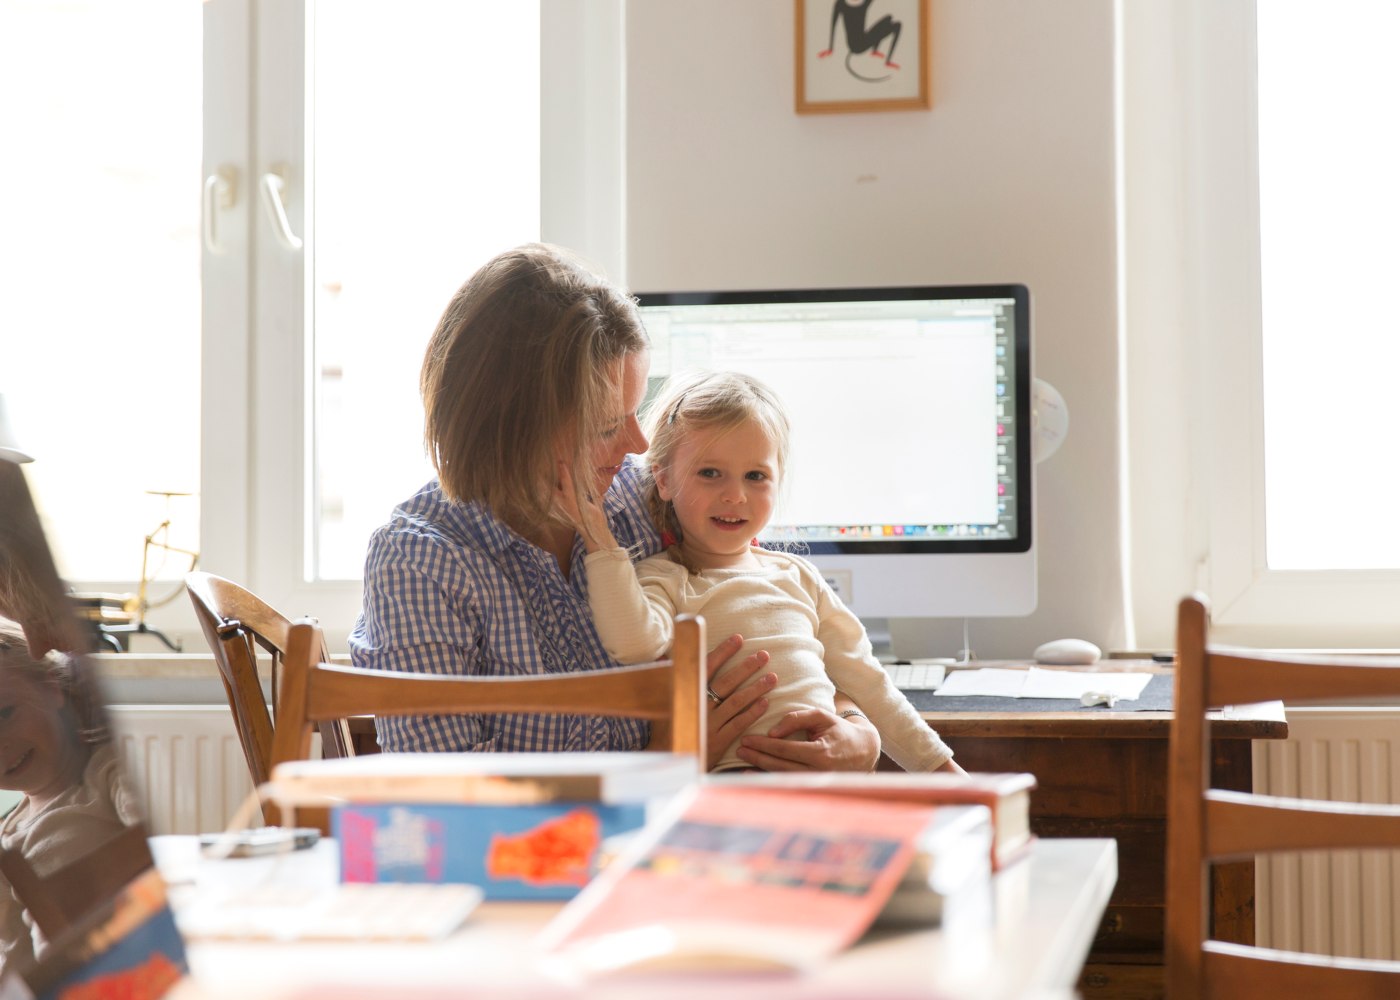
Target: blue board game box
x,y
539,851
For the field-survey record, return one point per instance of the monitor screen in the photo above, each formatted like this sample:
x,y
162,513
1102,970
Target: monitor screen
x,y
909,478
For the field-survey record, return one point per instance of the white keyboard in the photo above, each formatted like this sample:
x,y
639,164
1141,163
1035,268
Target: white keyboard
x,y
376,911
917,676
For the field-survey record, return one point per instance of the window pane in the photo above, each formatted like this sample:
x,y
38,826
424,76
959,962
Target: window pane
x,y
1329,209
426,163
100,322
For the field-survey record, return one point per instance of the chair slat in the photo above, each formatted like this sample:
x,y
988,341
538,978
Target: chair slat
x,y
1233,972
1239,824
622,691
670,692
1238,679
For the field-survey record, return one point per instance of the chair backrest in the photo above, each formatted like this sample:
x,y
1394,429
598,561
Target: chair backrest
x,y
668,692
1207,824
60,899
237,624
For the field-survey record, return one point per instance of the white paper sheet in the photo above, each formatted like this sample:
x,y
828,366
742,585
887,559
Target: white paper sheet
x,y
998,682
1073,683
1003,682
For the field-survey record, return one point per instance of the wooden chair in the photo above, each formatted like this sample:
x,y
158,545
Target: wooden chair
x,y
670,693
1208,824
236,624
61,899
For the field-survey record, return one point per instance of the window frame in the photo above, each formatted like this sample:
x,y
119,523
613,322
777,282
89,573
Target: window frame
x,y
1199,371
256,370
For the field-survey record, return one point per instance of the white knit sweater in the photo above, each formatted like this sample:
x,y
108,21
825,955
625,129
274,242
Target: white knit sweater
x,y
817,646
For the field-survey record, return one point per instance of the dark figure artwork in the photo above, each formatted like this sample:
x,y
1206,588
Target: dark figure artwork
x,y
861,38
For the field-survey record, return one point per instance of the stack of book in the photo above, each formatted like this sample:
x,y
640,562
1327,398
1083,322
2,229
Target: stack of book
x,y
521,826
981,825
948,881
780,871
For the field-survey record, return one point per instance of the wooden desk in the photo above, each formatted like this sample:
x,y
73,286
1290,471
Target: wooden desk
x,y
1044,913
1104,774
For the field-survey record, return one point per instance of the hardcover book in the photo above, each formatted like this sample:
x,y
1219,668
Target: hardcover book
x,y
484,778
1007,795
537,851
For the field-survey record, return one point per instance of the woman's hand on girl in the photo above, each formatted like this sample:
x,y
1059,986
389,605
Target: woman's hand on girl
x,y
741,698
586,515
832,744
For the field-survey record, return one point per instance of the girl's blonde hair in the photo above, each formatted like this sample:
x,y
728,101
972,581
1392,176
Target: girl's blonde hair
x,y
526,356
706,401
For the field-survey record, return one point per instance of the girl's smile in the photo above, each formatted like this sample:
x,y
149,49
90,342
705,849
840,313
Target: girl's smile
x,y
18,766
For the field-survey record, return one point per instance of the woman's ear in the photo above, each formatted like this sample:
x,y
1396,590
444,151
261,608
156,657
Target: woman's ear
x,y
663,482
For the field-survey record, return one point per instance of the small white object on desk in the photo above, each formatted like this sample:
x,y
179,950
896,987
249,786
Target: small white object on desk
x,y
1091,698
1067,652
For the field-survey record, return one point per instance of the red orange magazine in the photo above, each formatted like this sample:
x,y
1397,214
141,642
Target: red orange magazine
x,y
741,879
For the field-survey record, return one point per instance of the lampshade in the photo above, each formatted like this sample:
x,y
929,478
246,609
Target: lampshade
x,y
9,447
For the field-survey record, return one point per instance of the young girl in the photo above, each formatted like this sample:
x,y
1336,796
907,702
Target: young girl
x,y
719,443
54,750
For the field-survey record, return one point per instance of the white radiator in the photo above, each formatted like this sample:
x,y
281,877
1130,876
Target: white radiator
x,y
1344,903
186,762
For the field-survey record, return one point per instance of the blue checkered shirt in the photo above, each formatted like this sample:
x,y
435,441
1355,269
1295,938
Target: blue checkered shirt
x,y
449,589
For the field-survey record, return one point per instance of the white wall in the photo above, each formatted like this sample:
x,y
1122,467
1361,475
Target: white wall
x,y
1010,177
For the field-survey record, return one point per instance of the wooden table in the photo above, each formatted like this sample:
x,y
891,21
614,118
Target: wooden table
x,y
1104,774
1031,943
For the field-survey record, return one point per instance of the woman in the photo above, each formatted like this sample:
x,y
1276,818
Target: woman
x,y
537,362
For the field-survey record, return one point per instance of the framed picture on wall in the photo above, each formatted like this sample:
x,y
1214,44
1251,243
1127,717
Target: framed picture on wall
x,y
862,55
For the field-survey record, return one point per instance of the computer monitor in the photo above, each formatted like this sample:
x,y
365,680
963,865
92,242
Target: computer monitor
x,y
910,478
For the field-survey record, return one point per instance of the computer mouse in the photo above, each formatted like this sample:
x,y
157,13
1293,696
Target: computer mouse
x,y
1067,652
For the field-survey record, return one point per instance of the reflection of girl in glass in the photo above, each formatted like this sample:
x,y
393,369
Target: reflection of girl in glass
x,y
54,750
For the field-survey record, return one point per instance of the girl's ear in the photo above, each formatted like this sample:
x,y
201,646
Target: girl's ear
x,y
663,483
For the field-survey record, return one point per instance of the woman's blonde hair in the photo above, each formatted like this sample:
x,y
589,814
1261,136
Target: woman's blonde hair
x,y
526,356
706,401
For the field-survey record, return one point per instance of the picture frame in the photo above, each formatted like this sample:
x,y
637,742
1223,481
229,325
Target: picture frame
x,y
837,43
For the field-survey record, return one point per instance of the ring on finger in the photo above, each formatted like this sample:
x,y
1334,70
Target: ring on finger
x,y
713,697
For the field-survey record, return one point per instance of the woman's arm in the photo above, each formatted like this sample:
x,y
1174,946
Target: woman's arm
x,y
634,617
418,616
905,736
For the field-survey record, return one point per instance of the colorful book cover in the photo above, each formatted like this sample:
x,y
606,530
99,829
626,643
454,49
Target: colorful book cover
x,y
742,878
541,851
130,950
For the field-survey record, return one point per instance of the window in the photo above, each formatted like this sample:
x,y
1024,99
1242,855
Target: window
x,y
1258,279
99,245
1329,207
357,160
423,169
